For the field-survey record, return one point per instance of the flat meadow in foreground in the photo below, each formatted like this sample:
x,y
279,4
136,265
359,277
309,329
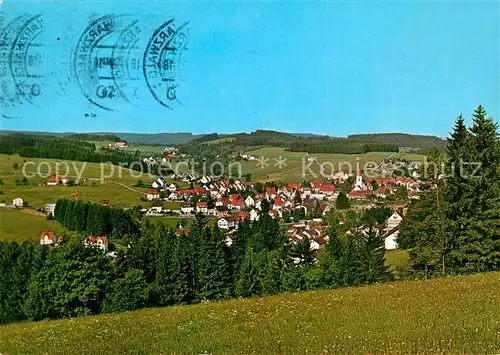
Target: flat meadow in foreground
x,y
440,316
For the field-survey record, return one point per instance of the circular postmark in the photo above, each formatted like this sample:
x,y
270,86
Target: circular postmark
x,y
94,62
126,71
26,60
8,91
162,62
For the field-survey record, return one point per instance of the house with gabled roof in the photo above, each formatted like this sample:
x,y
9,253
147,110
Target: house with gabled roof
x,y
48,238
152,194
97,242
237,202
202,207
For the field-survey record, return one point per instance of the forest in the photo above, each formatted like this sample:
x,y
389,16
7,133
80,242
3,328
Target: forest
x,y
353,144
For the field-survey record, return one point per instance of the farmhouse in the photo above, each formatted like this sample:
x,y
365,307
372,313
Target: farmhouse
x,y
97,242
187,207
159,183
201,207
394,221
157,207
152,194
50,208
18,202
48,238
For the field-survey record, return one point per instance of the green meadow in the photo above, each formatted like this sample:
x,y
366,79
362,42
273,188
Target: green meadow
x,y
98,181
296,168
18,225
452,315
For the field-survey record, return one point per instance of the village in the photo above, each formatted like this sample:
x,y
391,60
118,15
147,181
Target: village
x,y
301,208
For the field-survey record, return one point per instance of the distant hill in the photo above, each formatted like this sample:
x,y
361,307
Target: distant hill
x,y
138,138
417,141
313,143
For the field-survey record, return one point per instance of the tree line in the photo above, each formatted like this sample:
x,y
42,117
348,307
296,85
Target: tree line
x,y
455,227
48,147
162,268
96,219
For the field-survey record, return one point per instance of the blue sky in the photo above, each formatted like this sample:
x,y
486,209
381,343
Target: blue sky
x,y
321,67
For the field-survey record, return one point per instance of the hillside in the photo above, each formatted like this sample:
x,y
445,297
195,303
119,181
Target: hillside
x,y
446,315
355,143
142,138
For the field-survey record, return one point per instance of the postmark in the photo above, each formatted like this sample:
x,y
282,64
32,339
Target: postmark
x,y
127,69
93,61
162,63
8,93
26,61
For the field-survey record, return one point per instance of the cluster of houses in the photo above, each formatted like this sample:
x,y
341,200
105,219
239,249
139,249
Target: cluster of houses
x,y
364,188
234,196
117,145
54,180
50,238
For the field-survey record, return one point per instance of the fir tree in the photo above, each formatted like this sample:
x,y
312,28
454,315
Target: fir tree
x,y
342,201
372,266
248,280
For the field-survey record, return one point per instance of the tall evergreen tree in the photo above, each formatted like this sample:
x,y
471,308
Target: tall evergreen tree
x,y
372,266
478,243
248,280
342,201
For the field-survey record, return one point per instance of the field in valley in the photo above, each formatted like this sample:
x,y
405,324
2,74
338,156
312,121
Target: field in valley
x,y
441,316
295,163
116,186
17,225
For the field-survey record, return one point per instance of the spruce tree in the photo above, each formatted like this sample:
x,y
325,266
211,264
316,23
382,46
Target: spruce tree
x,y
372,266
212,266
248,280
182,290
342,201
478,245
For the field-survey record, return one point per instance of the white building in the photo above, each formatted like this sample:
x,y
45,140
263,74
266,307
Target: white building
x,y
394,221
50,208
18,202
48,238
97,242
390,239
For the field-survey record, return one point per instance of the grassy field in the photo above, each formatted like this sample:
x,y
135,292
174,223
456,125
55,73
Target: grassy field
x,y
295,161
17,225
397,258
441,316
117,184
132,147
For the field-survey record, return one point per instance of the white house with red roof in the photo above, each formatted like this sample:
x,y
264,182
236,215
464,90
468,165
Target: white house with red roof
x,y
48,238
278,203
237,202
202,207
152,194
249,201
327,189
53,180
97,242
